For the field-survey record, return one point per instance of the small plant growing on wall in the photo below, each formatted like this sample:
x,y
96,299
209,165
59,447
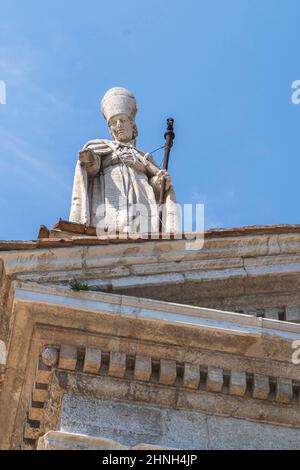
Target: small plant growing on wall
x,y
77,285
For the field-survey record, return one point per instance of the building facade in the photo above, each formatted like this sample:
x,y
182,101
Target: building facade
x,y
157,347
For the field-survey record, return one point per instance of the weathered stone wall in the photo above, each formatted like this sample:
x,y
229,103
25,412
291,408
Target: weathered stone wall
x,y
131,425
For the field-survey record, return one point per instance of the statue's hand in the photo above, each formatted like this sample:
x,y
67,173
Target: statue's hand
x,y
160,175
87,157
90,161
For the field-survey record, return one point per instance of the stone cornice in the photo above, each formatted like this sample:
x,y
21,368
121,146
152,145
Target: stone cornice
x,y
280,249
135,307
91,239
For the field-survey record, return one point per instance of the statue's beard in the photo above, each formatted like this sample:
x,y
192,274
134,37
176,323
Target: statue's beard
x,y
121,137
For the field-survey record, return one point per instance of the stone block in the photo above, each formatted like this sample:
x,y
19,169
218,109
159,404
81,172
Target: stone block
x,y
43,376
284,390
167,372
143,368
67,357
292,313
237,384
261,387
36,414
272,313
191,375
92,360
32,433
117,364
214,379
40,395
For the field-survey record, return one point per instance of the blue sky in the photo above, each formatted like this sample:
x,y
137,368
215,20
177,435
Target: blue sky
x,y
222,68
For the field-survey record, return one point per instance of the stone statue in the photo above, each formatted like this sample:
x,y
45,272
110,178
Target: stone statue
x,y
116,185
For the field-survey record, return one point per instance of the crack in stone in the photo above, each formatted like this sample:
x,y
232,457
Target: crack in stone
x,y
279,244
208,444
83,258
245,278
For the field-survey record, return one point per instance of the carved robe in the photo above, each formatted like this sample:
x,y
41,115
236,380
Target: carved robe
x,y
119,192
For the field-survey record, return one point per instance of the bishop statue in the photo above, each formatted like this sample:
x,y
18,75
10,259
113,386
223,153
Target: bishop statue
x,y
116,185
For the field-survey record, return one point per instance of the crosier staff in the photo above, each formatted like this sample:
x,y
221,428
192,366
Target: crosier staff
x,y
169,137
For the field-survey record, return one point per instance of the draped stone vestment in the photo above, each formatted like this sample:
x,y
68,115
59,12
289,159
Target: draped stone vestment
x,y
118,192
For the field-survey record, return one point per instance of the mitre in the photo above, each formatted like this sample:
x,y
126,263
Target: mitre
x,y
118,100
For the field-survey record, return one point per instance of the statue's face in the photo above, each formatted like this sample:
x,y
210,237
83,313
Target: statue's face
x,y
121,128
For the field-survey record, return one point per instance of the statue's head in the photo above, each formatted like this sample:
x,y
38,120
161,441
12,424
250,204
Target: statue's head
x,y
119,109
122,128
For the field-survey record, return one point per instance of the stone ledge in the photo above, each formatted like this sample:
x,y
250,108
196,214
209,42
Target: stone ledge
x,y
59,440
